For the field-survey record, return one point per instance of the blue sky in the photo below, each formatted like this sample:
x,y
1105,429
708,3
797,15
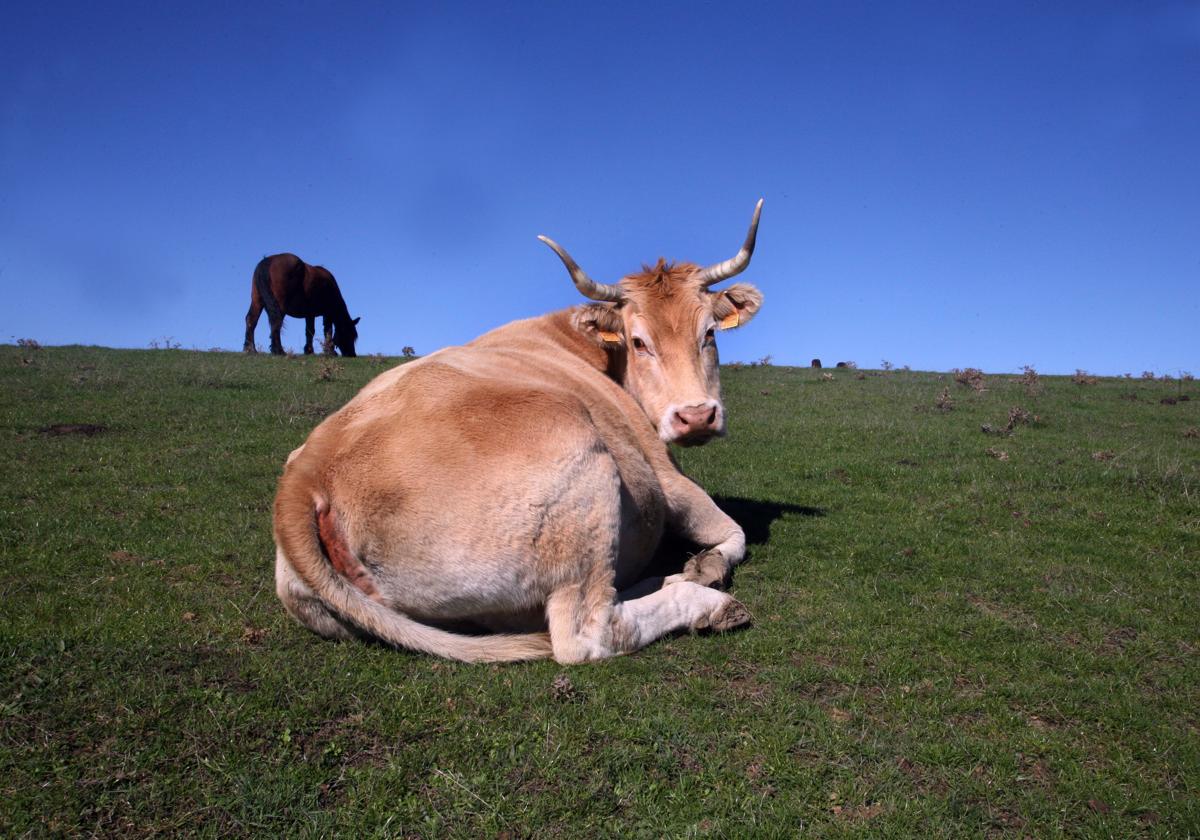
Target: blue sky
x,y
946,185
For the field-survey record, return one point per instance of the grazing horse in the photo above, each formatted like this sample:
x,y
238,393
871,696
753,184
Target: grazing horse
x,y
286,285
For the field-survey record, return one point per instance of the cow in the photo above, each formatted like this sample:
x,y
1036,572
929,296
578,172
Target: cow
x,y
283,284
518,483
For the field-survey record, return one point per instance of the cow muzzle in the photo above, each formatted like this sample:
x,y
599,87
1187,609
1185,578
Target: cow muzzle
x,y
691,425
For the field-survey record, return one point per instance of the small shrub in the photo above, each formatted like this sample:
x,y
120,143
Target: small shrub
x,y
1191,432
1030,381
407,352
998,454
1017,416
28,344
827,377
1103,455
1186,376
328,371
885,365
944,402
1147,374
1082,377
164,343
327,346
970,378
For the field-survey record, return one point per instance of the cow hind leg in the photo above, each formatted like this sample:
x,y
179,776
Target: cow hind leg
x,y
583,628
586,619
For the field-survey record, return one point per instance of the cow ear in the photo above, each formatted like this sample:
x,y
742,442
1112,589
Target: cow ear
x,y
601,321
356,320
736,305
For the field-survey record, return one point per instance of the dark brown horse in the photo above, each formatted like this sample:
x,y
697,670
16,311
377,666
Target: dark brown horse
x,y
286,285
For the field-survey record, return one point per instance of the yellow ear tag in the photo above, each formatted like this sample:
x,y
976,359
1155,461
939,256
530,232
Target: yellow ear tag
x,y
731,320
610,337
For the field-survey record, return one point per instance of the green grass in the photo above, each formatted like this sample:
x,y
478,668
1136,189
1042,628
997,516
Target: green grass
x,y
946,644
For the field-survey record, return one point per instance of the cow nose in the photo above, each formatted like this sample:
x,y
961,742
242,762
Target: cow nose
x,y
695,418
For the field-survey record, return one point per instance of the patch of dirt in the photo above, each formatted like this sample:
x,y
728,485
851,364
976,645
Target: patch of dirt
x,y
129,557
253,635
562,690
922,780
838,715
1012,616
1117,640
1034,771
343,742
756,773
84,429
858,813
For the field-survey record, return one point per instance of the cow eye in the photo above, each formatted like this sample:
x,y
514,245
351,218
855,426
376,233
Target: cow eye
x,y
639,345
710,336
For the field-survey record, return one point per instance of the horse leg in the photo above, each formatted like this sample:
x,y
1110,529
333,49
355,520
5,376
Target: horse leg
x,y
276,326
310,327
251,323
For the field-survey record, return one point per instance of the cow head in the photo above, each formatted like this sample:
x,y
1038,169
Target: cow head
x,y
663,322
345,333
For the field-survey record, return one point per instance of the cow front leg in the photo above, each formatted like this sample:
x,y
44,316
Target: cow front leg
x,y
310,328
696,517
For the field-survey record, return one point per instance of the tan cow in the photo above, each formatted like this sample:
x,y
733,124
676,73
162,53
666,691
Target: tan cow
x,y
521,481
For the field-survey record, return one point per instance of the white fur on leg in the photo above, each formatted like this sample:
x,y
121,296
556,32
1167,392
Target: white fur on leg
x,y
682,606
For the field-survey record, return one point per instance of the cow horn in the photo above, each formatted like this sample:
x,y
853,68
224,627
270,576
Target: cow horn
x,y
725,270
586,285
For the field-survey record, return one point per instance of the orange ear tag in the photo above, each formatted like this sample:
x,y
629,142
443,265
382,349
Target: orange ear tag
x,y
731,320
610,337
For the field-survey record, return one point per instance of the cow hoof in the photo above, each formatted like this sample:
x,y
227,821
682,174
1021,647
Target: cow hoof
x,y
707,569
730,616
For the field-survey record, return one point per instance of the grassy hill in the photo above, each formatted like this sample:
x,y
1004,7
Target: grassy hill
x,y
958,633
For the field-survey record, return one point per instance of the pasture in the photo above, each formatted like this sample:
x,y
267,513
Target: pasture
x,y
957,633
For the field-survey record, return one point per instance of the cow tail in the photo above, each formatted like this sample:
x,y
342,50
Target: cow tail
x,y
262,283
296,509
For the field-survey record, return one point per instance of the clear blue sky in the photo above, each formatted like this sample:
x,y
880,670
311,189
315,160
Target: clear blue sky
x,y
946,184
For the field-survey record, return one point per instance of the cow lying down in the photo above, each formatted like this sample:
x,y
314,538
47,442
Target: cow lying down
x,y
521,483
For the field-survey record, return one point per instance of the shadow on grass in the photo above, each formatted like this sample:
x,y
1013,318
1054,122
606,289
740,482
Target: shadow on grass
x,y
754,515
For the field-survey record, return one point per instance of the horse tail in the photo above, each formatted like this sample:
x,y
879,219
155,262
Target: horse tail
x,y
262,283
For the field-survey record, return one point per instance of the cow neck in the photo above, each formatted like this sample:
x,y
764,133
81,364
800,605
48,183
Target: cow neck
x,y
610,362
